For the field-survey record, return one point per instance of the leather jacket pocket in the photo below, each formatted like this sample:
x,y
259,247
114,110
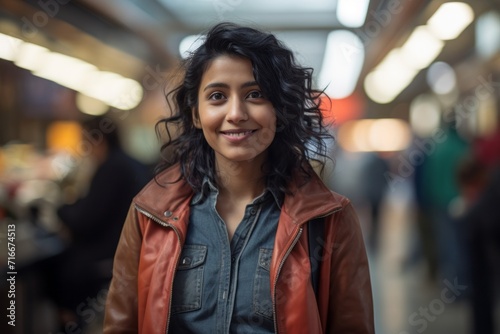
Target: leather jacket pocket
x,y
188,281
262,302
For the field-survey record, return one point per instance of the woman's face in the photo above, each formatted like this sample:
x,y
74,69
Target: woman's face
x,y
237,121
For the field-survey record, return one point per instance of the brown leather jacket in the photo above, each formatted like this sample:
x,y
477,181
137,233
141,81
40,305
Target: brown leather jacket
x,y
154,233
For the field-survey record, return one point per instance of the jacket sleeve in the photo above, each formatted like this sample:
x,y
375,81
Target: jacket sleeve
x,y
121,315
350,308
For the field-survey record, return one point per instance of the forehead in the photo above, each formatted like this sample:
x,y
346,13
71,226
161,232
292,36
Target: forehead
x,y
226,67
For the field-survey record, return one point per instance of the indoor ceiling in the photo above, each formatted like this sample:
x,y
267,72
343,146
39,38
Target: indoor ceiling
x,y
141,33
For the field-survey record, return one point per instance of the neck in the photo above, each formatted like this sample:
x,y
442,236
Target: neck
x,y
240,181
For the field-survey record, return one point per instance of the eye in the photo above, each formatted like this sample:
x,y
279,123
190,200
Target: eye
x,y
216,96
255,94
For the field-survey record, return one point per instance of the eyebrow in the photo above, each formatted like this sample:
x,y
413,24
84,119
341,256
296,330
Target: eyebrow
x,y
223,85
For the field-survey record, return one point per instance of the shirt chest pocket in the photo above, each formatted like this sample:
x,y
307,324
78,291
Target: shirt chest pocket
x,y
188,281
262,302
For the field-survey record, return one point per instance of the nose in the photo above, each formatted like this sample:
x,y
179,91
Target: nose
x,y
237,111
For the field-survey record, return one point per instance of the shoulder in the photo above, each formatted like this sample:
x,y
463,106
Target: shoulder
x,y
166,189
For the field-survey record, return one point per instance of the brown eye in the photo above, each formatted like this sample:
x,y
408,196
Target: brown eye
x,y
255,94
216,96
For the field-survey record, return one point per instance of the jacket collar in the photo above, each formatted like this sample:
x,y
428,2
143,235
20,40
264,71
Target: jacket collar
x,y
165,198
310,199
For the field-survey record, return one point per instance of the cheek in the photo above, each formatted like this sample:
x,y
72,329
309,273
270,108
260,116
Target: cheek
x,y
267,133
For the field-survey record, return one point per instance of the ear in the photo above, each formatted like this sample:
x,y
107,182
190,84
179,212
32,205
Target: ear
x,y
196,119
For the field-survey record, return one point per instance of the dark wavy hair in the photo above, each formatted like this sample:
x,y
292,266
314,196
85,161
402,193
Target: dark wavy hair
x,y
288,86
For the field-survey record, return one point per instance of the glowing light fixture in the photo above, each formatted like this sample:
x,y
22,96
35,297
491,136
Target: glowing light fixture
x,y
389,78
425,115
488,34
111,88
190,44
441,78
9,46
30,56
90,106
352,13
342,63
66,71
421,48
370,135
450,20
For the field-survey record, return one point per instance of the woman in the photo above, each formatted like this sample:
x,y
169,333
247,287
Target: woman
x,y
218,242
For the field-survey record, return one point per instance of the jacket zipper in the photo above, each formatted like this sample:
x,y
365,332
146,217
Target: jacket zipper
x,y
289,250
162,223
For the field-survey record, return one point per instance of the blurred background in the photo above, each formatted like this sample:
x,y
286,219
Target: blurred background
x,y
414,92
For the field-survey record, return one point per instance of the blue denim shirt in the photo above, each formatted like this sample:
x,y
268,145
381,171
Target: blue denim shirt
x,y
223,286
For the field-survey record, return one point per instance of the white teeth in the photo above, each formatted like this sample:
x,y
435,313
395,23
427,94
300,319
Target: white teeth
x,y
237,134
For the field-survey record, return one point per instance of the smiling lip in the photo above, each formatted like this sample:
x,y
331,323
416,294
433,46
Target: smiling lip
x,y
237,135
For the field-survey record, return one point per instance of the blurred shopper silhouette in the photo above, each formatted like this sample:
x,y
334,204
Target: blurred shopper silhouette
x,y
479,177
440,190
375,187
94,222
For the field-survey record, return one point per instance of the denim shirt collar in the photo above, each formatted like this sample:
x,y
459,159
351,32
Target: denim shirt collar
x,y
207,188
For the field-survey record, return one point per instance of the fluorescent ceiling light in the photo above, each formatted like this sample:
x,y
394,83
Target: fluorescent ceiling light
x,y
375,135
66,71
389,135
450,20
342,63
111,88
421,48
389,78
9,46
189,44
90,106
352,13
441,78
31,56
488,34
425,115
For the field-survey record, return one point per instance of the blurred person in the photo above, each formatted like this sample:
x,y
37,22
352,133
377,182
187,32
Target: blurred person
x,y
94,221
439,190
219,241
375,186
479,179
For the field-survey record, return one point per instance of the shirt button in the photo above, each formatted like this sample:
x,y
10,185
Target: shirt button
x,y
167,213
232,259
186,260
253,212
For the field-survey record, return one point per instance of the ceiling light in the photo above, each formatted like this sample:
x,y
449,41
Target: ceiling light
x,y
189,44
389,135
488,34
342,63
66,71
450,20
441,78
389,78
111,88
352,13
90,106
9,46
30,56
375,135
421,48
425,115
